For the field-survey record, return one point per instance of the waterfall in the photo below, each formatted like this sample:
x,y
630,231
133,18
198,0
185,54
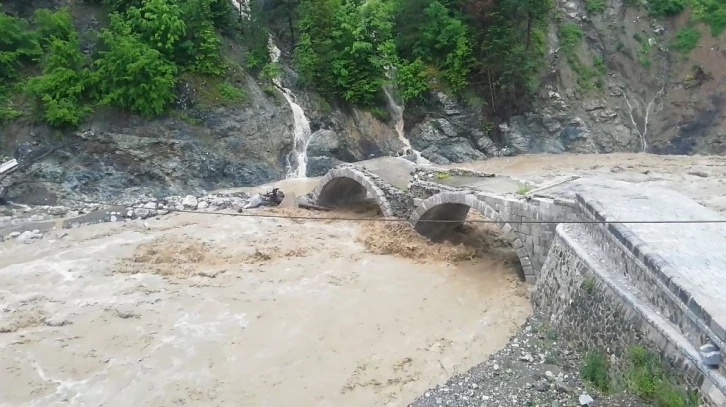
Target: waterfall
x,y
396,111
297,159
296,162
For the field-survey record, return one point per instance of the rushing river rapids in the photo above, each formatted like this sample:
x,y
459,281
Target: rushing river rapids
x,y
217,310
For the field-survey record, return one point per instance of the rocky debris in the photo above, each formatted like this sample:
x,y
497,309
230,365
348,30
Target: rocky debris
x,y
29,236
190,202
142,208
422,189
533,369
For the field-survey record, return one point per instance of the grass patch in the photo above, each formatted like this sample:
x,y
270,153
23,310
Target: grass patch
x,y
595,370
589,285
599,64
231,93
8,112
570,35
595,6
644,54
441,175
686,39
523,189
649,380
588,77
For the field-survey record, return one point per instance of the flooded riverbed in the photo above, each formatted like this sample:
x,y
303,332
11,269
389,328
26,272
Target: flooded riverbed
x,y
218,310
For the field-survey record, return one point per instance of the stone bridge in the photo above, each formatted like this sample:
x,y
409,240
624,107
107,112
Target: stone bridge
x,y
426,202
603,284
348,184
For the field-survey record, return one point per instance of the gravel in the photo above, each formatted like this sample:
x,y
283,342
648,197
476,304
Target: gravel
x,y
534,369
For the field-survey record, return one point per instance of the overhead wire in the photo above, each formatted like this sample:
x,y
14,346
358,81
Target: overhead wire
x,y
379,219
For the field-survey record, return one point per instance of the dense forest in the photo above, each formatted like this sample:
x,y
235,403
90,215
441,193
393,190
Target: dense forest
x,y
343,49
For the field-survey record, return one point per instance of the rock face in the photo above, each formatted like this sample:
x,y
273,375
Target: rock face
x,y
631,92
451,134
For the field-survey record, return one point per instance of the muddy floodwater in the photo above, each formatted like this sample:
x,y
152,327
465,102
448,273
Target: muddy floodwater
x,y
214,310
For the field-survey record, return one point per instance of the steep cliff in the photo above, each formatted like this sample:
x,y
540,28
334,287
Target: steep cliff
x,y
627,81
616,79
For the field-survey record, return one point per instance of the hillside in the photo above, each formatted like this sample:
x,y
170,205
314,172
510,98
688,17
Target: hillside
x,y
170,97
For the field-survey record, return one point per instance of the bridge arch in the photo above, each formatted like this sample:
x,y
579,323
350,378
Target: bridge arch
x,y
348,184
455,206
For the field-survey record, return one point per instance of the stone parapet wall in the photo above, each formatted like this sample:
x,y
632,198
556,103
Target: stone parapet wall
x,y
653,290
646,270
593,311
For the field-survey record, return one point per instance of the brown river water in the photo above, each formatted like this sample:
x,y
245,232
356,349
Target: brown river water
x,y
216,310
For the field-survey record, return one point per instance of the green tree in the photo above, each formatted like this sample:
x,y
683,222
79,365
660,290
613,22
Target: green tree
x,y
363,49
510,55
345,48
18,45
61,88
131,74
53,24
200,50
412,80
313,54
256,37
160,24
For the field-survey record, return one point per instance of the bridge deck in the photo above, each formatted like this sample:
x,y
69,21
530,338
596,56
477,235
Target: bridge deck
x,y
396,171
694,254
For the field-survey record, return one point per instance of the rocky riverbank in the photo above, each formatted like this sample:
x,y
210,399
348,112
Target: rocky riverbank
x,y
534,369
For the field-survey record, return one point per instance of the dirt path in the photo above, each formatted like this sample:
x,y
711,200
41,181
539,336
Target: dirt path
x,y
213,310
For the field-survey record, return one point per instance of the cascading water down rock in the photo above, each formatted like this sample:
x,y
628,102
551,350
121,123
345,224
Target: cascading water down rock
x,y
396,111
297,159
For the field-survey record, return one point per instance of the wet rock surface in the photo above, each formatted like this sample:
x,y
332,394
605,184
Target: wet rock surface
x,y
534,369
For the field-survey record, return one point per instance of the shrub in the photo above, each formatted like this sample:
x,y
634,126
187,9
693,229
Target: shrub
x,y
595,6
60,89
7,110
595,370
412,80
53,24
131,74
271,71
665,7
686,39
647,377
18,45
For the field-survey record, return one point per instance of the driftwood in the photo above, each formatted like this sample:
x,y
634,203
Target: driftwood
x,y
314,207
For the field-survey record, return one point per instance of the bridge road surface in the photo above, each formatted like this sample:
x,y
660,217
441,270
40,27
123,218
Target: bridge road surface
x,y
694,254
397,172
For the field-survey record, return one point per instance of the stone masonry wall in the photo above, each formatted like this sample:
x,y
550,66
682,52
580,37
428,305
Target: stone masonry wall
x,y
648,284
592,315
625,250
537,237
